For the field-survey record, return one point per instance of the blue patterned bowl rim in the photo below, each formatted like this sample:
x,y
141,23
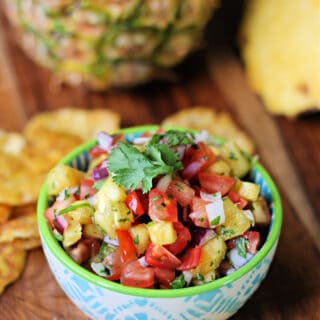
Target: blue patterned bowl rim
x,y
52,244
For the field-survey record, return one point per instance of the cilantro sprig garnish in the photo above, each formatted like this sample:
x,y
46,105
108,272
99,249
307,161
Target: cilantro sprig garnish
x,y
173,138
129,166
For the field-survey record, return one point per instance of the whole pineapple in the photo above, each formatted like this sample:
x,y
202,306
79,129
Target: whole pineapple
x,y
105,43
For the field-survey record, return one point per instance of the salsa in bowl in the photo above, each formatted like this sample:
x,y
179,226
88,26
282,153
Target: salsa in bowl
x,y
161,215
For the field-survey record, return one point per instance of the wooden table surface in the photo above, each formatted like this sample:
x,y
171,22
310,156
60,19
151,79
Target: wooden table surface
x,y
213,77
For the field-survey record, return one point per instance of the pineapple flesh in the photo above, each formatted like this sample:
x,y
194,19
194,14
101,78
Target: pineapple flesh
x,y
104,43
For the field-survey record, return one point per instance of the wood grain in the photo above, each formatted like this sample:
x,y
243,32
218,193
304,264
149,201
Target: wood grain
x,y
289,148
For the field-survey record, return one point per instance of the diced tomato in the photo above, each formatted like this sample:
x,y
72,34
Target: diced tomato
x,y
191,259
96,152
50,213
164,276
126,245
181,191
199,215
183,237
50,216
86,189
114,264
134,275
239,201
253,243
93,244
162,207
134,204
159,256
213,183
198,157
160,130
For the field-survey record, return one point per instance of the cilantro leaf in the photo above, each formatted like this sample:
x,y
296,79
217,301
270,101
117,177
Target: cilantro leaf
x,y
129,167
241,244
178,282
173,138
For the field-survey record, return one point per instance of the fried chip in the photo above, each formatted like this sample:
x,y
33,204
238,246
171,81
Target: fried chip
x,y
21,187
78,122
12,261
23,210
5,212
27,244
47,148
24,227
11,142
218,124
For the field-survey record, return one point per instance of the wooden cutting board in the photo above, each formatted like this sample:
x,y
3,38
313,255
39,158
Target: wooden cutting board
x,y
214,77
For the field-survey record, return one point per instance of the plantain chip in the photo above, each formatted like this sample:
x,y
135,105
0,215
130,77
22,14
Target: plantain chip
x,y
24,227
11,142
27,244
5,212
47,148
12,261
84,124
218,124
23,210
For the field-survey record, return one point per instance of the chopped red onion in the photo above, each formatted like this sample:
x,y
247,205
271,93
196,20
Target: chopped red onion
x,y
236,260
105,141
208,235
141,140
60,223
209,196
187,276
164,182
143,262
99,173
181,151
108,240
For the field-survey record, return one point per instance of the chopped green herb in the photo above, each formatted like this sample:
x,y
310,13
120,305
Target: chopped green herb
x,y
179,186
201,219
215,221
178,282
136,239
227,233
98,184
57,235
129,167
154,199
199,276
173,138
241,244
75,206
66,193
122,220
232,156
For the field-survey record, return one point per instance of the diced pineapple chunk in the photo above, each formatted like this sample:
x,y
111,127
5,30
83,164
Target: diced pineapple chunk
x,y
71,234
115,192
140,236
199,279
220,167
261,212
236,222
81,214
61,177
92,231
114,215
236,159
213,252
162,233
122,215
248,190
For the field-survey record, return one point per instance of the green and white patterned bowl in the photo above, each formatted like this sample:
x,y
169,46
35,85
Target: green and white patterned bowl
x,y
103,299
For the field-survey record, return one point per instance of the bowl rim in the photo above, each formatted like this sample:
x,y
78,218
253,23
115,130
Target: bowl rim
x,y
57,251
